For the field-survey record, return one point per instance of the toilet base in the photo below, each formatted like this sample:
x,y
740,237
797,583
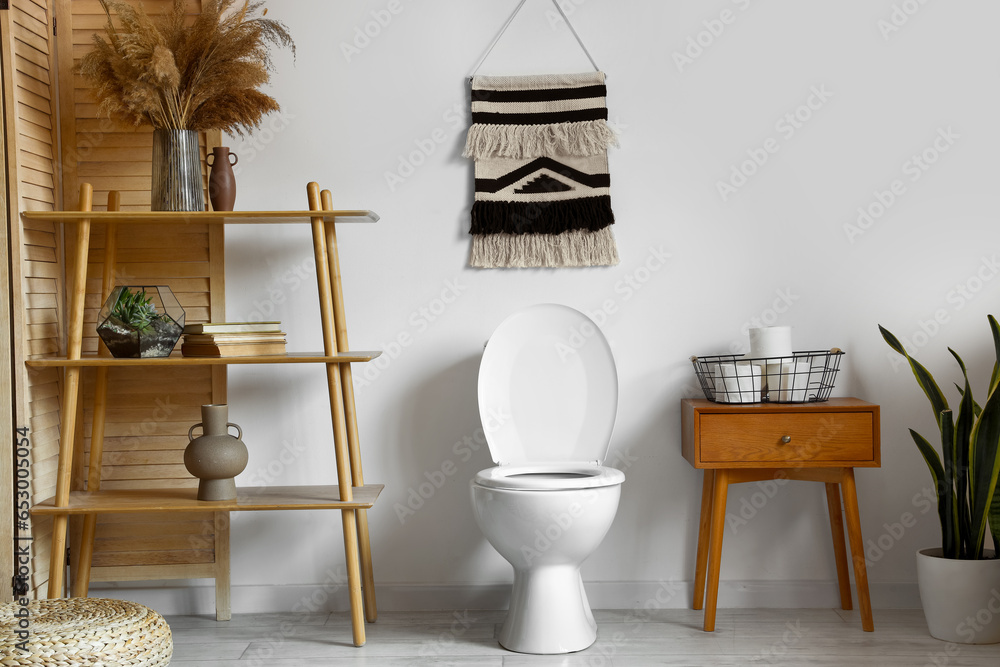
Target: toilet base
x,y
549,612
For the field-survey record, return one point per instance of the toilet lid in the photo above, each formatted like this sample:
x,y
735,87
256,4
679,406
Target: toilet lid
x,y
548,388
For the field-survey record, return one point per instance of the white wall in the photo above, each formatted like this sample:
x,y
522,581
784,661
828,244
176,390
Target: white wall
x,y
778,243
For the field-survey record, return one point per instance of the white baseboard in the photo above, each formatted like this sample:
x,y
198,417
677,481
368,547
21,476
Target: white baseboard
x,y
197,598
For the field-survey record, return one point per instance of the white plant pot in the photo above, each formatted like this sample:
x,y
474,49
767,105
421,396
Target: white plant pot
x,y
961,598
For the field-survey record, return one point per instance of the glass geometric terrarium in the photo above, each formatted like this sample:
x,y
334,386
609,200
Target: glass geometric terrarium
x,y
140,321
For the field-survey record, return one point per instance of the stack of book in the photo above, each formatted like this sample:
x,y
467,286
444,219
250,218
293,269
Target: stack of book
x,y
233,339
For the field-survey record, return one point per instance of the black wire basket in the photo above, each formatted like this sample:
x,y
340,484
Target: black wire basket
x,y
803,377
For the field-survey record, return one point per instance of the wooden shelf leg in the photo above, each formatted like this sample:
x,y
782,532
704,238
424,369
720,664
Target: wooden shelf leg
x,y
71,387
857,548
339,420
839,547
347,389
353,575
719,496
704,532
81,581
223,604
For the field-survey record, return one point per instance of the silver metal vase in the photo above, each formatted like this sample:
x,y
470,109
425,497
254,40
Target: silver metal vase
x,y
177,183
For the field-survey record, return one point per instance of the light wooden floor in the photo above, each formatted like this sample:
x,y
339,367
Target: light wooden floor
x,y
663,637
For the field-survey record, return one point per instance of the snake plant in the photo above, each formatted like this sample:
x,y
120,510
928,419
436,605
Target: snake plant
x,y
965,475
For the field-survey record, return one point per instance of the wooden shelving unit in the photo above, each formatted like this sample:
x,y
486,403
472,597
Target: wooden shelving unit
x,y
248,499
351,496
201,217
94,361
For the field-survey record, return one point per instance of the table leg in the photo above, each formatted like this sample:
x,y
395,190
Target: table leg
x,y
839,547
704,531
857,548
719,495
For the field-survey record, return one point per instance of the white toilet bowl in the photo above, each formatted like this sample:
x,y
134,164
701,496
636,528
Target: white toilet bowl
x,y
548,396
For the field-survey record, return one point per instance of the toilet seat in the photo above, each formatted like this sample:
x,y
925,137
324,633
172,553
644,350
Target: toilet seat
x,y
552,477
548,392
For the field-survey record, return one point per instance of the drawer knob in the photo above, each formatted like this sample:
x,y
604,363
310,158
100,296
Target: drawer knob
x,y
786,439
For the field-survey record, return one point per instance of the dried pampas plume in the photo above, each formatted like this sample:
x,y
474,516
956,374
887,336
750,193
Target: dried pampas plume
x,y
173,73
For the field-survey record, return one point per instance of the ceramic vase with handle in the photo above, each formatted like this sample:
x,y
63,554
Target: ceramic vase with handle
x,y
222,180
216,457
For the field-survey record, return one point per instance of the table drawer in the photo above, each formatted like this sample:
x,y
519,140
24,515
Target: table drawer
x,y
838,438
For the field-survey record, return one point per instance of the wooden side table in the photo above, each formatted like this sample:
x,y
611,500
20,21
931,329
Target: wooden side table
x,y
816,442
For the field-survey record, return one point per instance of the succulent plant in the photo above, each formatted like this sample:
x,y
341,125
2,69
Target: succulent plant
x,y
135,309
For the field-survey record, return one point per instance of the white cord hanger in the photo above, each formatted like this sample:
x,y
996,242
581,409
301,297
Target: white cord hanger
x,y
511,20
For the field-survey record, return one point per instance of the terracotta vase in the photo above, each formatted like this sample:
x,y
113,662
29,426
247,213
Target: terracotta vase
x,y
222,180
215,457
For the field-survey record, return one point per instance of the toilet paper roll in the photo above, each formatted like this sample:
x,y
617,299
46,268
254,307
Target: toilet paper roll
x,y
770,342
738,382
794,380
772,380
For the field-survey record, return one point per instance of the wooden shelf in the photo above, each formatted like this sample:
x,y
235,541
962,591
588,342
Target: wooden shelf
x,y
248,499
336,357
93,361
202,217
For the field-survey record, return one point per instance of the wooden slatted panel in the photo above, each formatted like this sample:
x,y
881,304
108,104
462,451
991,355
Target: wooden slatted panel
x,y
149,411
132,539
37,309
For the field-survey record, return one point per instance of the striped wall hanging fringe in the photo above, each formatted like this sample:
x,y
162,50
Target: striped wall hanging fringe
x,y
543,195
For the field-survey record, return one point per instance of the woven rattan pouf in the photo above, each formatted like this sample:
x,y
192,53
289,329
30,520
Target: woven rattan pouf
x,y
84,631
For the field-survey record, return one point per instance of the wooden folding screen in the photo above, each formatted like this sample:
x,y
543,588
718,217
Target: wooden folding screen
x,y
149,413
36,248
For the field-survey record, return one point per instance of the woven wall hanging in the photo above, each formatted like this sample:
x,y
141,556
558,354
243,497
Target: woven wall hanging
x,y
543,195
